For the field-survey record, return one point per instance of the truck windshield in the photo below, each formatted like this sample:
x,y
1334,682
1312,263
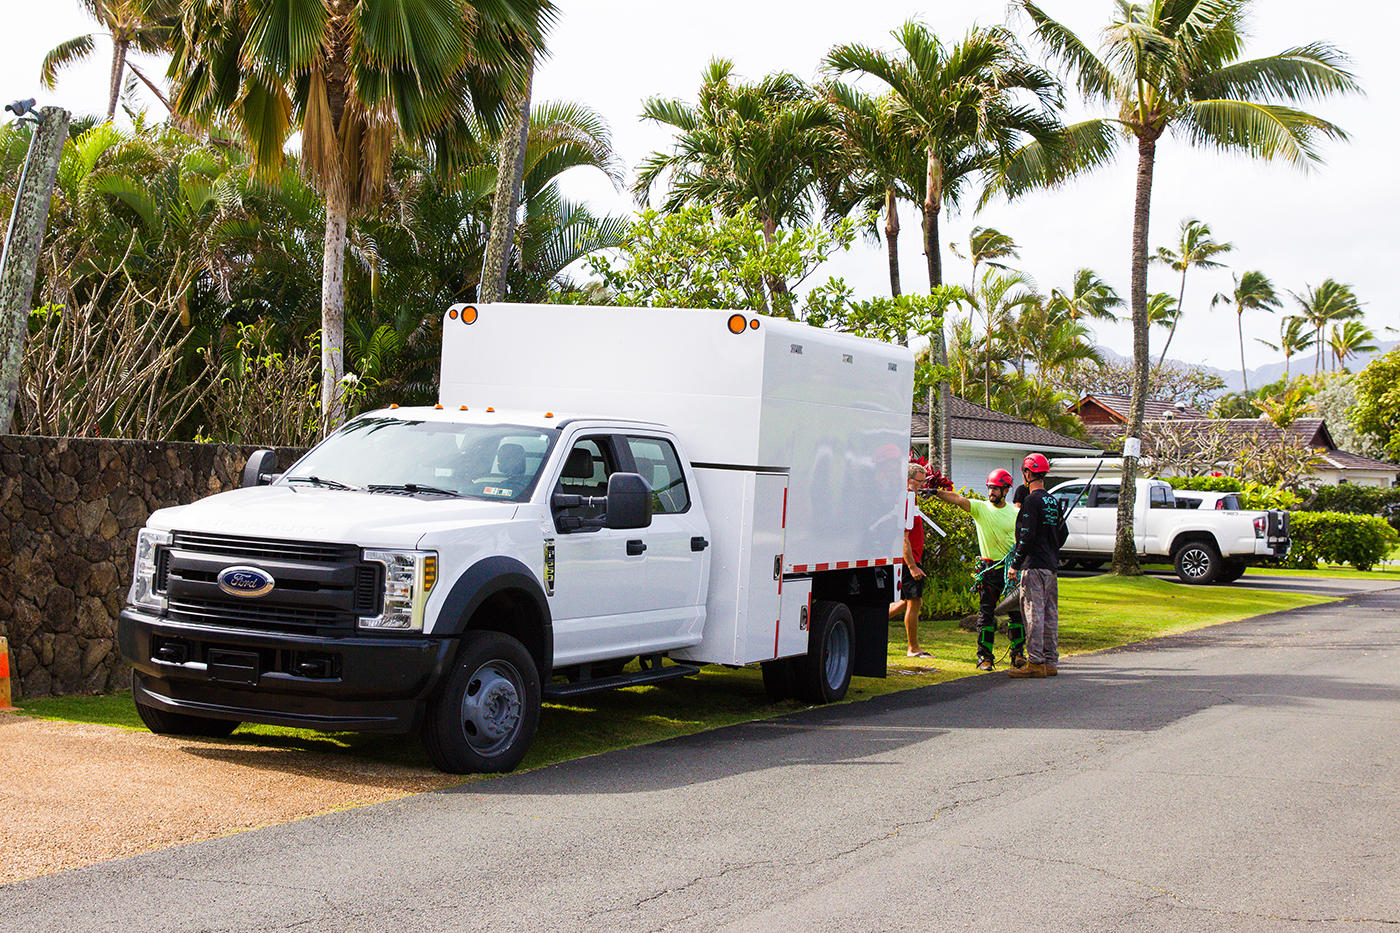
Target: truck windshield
x,y
498,461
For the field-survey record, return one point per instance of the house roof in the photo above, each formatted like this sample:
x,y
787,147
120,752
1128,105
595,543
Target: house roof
x,y
1153,409
1346,460
970,422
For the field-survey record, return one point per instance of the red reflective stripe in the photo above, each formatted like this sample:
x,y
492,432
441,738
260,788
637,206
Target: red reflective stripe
x,y
821,567
784,506
862,563
799,568
898,561
842,564
776,626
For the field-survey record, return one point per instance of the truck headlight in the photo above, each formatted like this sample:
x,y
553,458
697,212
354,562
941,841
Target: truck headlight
x,y
408,579
147,587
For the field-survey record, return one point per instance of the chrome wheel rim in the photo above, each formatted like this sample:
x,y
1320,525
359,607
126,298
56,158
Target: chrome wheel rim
x,y
492,710
1195,562
838,655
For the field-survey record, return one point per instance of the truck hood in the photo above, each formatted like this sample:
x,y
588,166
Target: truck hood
x,y
308,513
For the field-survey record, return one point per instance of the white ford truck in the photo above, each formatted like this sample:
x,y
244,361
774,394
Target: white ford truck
x,y
596,485
1204,545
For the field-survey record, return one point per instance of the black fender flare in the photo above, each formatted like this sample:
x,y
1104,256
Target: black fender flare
x,y
486,578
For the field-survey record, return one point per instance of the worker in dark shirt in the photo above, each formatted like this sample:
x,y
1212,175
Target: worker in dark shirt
x,y
1033,561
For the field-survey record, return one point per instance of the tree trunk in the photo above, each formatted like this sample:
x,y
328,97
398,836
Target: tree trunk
x,y
118,64
19,261
510,172
933,202
779,302
1125,549
892,244
1244,378
333,306
1180,297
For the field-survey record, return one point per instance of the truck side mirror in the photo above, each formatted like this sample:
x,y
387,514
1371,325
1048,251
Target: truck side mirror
x,y
629,501
258,471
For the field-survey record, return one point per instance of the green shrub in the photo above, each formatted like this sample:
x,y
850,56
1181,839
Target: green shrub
x,y
1357,500
1205,483
1262,496
1339,538
948,562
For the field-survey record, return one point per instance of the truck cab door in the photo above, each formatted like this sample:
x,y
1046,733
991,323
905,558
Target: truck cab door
x,y
1101,517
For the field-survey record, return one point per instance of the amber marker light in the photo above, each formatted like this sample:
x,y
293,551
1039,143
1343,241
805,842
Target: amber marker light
x,y
753,325
549,414
489,408
438,406
463,408
452,314
393,404
737,323
469,315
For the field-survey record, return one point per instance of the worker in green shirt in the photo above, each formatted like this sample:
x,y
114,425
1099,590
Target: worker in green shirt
x,y
995,520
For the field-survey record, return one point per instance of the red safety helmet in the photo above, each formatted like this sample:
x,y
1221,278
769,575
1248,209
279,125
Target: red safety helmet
x,y
1000,478
1036,463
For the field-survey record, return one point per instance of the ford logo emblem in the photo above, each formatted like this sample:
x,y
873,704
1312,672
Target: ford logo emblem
x,y
246,581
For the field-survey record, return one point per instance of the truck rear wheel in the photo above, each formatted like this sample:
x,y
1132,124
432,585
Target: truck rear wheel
x,y
163,722
1197,562
780,678
825,673
486,716
1232,569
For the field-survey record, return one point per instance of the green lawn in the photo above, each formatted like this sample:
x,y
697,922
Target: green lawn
x,y
1095,613
1389,573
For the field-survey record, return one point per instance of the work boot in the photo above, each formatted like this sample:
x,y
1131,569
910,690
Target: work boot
x,y
1030,670
985,664
1052,670
1018,659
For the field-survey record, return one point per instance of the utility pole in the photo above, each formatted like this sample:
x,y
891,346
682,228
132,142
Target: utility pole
x,y
20,259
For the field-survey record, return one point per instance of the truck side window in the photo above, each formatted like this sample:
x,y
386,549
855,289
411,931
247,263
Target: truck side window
x,y
1104,497
586,472
658,464
1157,498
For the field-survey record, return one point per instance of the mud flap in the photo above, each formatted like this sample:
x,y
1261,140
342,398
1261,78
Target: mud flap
x,y
872,639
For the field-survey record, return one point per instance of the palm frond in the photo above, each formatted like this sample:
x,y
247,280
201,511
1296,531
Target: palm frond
x,y
1266,131
63,55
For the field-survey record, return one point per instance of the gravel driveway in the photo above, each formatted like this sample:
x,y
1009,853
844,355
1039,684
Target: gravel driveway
x,y
75,794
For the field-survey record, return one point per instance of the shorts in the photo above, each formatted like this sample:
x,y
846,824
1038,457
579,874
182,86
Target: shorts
x,y
909,588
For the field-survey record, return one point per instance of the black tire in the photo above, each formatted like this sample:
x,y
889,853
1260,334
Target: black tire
x,y
1092,564
486,715
163,722
824,673
1197,563
1232,569
780,679
1067,563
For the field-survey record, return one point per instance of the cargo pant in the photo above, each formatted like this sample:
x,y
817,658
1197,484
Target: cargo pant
x,y
989,594
1040,604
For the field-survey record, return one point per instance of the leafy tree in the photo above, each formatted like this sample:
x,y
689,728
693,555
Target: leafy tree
x,y
355,78
1190,385
965,106
1323,306
1253,292
1193,251
1176,65
132,25
1377,410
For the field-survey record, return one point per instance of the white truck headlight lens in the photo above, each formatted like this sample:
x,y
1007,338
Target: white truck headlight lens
x,y
147,590
408,579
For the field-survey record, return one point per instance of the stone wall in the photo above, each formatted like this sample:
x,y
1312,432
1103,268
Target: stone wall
x,y
69,512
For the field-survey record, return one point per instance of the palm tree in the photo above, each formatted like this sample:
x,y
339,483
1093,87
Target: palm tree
x,y
1292,338
132,25
1176,65
1349,338
1326,304
1162,310
1089,298
1194,250
742,143
1253,291
355,78
999,295
877,156
964,106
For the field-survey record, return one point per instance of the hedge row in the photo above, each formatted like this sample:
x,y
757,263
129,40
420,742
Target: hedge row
x,y
1357,500
948,562
1339,538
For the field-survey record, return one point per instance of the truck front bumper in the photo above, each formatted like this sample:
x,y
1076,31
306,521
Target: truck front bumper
x,y
357,683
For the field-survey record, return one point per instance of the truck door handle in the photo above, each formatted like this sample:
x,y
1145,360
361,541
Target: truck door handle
x,y
636,546
698,544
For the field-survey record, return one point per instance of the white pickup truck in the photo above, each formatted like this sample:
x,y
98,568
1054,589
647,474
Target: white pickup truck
x,y
596,485
1205,545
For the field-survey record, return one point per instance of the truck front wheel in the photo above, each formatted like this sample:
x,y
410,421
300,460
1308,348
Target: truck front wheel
x,y
486,715
162,722
825,673
1197,562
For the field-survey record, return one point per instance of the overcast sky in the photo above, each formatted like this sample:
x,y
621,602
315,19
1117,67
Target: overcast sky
x,y
1338,220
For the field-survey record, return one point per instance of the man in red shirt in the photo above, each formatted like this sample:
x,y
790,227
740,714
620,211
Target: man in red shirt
x,y
911,590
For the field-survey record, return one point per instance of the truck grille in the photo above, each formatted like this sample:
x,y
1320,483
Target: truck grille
x,y
318,587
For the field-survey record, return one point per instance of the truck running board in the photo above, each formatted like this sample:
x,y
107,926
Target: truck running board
x,y
595,684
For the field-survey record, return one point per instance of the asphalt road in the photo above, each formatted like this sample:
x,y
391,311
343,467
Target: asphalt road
x,y
1244,777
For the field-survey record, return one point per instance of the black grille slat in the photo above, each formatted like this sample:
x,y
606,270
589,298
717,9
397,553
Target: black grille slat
x,y
367,589
162,569
207,612
269,548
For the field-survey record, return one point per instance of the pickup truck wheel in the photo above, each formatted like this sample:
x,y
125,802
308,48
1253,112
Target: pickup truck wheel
x,y
824,674
780,679
163,722
1197,562
486,715
1091,564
